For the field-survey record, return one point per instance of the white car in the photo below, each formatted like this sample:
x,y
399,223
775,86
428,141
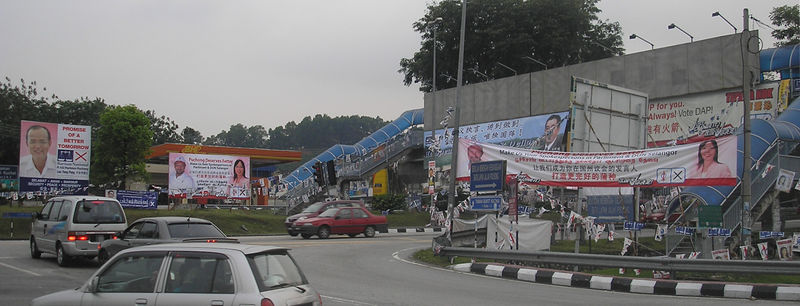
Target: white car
x,y
193,274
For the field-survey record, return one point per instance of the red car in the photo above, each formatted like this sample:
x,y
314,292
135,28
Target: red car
x,y
345,220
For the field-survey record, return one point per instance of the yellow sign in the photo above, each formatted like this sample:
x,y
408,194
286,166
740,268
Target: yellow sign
x,y
195,149
380,182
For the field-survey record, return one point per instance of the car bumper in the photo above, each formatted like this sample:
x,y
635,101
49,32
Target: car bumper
x,y
80,248
304,229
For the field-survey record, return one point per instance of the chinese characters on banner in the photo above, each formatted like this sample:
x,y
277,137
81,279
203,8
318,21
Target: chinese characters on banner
x,y
209,176
54,157
710,163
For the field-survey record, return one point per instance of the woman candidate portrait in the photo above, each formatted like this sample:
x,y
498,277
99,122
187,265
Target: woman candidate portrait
x,y
40,163
708,165
238,184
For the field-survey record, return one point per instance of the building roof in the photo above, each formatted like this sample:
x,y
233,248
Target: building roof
x,y
258,157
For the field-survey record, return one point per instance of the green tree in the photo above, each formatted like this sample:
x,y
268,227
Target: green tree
x,y
123,140
505,32
788,18
164,129
191,136
240,135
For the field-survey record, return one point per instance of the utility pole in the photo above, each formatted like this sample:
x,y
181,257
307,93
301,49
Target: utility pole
x,y
451,199
747,77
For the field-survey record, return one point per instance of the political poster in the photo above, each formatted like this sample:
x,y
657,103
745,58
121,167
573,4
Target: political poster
x,y
136,199
8,178
784,180
542,132
698,117
709,163
209,176
54,157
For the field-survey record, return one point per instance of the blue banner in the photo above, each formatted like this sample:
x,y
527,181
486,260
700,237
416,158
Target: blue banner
x,y
685,230
767,235
607,208
138,199
724,232
62,186
633,226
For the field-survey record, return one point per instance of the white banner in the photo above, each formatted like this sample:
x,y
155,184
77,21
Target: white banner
x,y
709,163
54,156
209,176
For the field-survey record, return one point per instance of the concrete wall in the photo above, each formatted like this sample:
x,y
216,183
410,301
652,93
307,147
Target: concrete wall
x,y
705,65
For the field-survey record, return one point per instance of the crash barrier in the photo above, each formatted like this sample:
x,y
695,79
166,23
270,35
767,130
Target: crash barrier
x,y
633,262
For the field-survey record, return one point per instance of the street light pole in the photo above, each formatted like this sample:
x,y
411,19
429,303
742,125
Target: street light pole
x,y
673,26
747,163
435,24
451,199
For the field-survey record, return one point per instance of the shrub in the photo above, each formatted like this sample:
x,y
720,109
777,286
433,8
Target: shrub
x,y
389,202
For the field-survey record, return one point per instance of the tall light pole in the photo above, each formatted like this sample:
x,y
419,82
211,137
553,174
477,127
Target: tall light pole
x,y
435,25
715,14
451,199
673,26
634,36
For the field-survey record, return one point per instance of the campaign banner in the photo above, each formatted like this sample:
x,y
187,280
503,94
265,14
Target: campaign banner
x,y
137,199
709,163
609,207
698,117
54,157
209,176
358,189
542,132
8,178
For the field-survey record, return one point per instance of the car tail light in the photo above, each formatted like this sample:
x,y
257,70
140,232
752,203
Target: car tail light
x,y
211,240
266,302
72,236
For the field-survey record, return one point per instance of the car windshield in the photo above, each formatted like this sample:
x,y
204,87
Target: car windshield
x,y
192,230
314,207
275,270
329,213
98,211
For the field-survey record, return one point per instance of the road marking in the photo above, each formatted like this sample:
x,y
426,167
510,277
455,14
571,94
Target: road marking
x,y
349,302
21,270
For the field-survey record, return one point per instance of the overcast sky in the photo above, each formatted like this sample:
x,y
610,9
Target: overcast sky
x,y
211,64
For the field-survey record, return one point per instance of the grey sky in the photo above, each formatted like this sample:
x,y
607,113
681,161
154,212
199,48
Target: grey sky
x,y
211,64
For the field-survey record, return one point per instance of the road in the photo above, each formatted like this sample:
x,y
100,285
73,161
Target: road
x,y
352,271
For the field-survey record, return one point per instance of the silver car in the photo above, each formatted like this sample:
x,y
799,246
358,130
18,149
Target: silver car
x,y
193,274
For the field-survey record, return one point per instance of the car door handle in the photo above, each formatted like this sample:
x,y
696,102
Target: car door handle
x,y
217,303
141,301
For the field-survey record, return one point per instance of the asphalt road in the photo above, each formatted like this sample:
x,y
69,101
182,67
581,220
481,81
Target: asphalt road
x,y
353,271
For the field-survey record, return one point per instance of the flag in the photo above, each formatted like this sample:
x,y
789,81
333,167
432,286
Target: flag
x,y
541,211
661,231
744,250
769,167
762,248
625,246
694,255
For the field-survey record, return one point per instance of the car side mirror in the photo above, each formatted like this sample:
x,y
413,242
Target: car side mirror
x,y
93,284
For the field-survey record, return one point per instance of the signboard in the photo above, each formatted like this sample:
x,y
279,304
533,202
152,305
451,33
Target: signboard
x,y
694,118
723,232
8,178
137,199
487,176
485,203
358,189
709,163
609,205
380,182
709,216
632,226
209,176
54,157
525,133
431,176
512,199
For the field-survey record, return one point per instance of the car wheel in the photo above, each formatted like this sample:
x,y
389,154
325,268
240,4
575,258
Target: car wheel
x,y
305,236
35,253
61,258
102,256
369,232
293,234
324,232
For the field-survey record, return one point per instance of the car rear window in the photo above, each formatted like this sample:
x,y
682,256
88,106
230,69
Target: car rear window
x,y
314,207
98,211
193,230
275,270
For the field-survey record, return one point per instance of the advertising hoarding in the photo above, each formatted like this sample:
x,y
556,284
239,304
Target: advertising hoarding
x,y
209,176
709,163
54,157
8,178
543,132
137,199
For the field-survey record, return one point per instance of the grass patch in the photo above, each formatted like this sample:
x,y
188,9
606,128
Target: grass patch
x,y
231,222
426,256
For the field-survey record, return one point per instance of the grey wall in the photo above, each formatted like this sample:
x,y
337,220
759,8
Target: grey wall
x,y
706,65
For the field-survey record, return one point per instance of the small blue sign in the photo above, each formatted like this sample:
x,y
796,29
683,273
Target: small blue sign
x,y
724,232
17,215
487,176
633,226
767,235
138,199
485,203
685,230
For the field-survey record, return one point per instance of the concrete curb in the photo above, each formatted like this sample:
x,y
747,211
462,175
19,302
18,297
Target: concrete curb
x,y
410,230
622,284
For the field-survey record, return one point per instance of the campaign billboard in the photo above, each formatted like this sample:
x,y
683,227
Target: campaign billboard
x,y
698,117
8,178
209,176
709,163
542,132
54,157
136,199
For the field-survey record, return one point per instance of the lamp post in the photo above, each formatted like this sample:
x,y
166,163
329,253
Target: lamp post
x,y
434,25
715,14
673,26
747,163
634,36
509,68
451,199
535,61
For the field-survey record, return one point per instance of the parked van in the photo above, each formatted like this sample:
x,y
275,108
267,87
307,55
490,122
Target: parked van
x,y
74,226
